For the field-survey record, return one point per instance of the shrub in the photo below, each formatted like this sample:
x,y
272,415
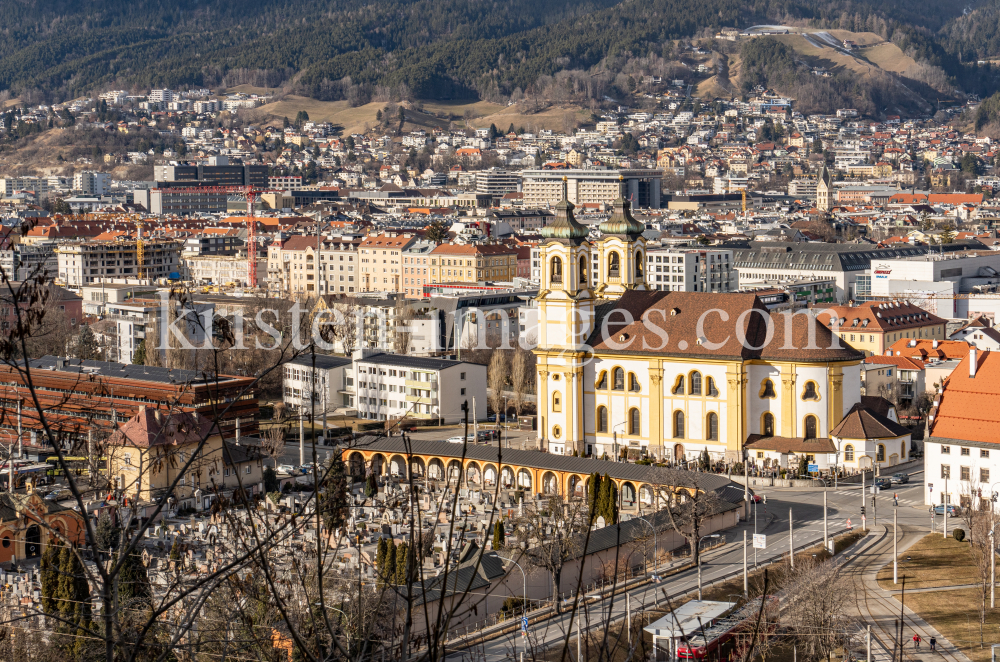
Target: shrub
x,y
959,534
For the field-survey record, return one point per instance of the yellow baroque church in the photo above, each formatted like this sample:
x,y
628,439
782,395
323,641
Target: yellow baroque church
x,y
627,370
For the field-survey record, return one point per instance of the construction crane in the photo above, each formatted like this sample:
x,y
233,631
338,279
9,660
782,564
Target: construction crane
x,y
250,193
140,255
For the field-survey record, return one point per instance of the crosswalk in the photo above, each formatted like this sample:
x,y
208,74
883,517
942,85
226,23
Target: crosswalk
x,y
883,497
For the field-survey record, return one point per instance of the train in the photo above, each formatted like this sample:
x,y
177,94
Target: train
x,y
728,637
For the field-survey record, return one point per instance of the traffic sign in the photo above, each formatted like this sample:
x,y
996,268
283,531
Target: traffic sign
x,y
930,486
849,525
759,541
524,625
813,468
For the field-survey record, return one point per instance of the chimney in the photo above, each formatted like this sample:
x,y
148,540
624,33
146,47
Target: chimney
x,y
237,432
972,362
158,415
934,344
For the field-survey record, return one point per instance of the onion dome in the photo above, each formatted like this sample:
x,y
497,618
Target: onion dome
x,y
564,225
621,220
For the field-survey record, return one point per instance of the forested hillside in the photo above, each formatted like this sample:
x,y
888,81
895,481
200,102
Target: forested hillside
x,y
53,50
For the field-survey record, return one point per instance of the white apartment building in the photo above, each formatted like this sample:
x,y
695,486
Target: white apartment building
x,y
215,269
543,188
285,182
42,186
691,270
161,96
134,317
388,386
302,387
91,261
91,183
497,182
802,188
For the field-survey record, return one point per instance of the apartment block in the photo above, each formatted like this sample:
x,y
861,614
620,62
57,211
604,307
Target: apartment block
x,y
691,270
381,258
467,263
305,266
591,187
90,261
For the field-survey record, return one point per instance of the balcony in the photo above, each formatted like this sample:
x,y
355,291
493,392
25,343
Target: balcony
x,y
433,400
425,386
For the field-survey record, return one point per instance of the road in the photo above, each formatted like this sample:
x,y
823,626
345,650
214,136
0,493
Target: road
x,y
807,516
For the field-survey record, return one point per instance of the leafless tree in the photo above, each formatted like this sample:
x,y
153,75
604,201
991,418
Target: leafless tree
x,y
689,505
402,332
272,441
496,380
817,606
521,376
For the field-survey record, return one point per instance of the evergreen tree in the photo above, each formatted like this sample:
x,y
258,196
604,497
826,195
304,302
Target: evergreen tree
x,y
401,555
133,581
378,116
380,555
271,483
437,231
139,357
499,535
604,499
50,578
704,461
510,129
389,571
612,504
493,131
87,348
371,486
593,493
285,122
334,498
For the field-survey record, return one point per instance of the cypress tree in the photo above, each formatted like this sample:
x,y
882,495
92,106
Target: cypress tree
x,y
50,578
498,535
389,571
401,555
612,504
593,494
380,555
133,581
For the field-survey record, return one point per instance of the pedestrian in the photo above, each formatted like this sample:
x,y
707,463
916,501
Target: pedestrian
x,y
933,644
895,499
916,641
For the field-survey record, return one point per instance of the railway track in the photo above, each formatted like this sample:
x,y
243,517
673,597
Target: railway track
x,y
883,611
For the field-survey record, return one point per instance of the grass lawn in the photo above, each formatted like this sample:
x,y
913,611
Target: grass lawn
x,y
934,561
955,614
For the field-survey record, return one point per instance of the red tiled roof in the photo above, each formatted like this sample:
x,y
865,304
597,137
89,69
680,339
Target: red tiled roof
x,y
903,362
969,407
151,427
925,350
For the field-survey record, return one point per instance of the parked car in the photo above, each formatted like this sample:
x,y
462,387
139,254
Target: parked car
x,y
492,418
307,468
287,468
939,510
756,498
456,440
487,435
900,479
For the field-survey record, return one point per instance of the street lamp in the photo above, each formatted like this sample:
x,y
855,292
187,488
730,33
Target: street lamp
x,y
654,538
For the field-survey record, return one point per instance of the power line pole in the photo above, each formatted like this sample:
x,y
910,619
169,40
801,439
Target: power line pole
x,y
746,583
791,542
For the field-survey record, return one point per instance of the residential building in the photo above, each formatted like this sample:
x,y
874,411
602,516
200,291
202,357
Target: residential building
x,y
217,173
873,326
961,451
214,241
691,270
154,449
497,183
869,438
91,183
303,388
87,262
135,317
390,386
980,333
473,263
416,268
216,269
380,257
895,378
591,187
296,267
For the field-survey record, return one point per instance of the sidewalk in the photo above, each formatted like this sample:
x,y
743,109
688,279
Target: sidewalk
x,y
883,609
